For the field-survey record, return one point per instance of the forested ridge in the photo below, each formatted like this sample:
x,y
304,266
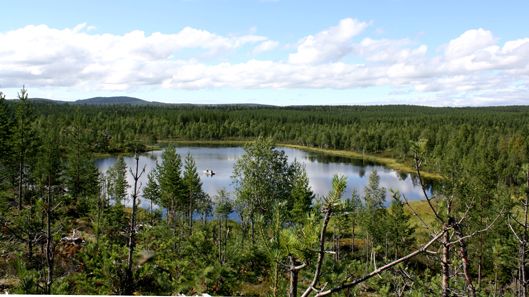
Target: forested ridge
x,y
370,129
68,229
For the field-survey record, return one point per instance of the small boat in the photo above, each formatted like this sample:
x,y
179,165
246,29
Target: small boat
x,y
209,172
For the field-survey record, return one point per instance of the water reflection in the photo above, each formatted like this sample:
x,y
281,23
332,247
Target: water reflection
x,y
320,170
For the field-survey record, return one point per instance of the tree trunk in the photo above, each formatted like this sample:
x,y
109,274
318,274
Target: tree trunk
x,y
252,228
521,269
30,234
220,241
353,239
294,272
132,230
321,254
225,239
445,263
49,238
523,276
100,204
466,263
276,279
190,214
20,177
152,214
293,290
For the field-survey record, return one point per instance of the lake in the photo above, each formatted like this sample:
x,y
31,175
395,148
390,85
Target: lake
x,y
320,170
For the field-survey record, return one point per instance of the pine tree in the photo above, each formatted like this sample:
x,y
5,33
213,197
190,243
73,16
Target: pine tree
x,y
48,172
224,206
24,143
152,190
301,194
400,233
376,215
171,185
6,131
118,180
356,209
375,196
193,188
82,176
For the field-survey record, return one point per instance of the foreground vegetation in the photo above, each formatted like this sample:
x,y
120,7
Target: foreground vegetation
x,y
68,229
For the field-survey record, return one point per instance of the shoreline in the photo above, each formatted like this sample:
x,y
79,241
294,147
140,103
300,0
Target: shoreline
x,y
388,162
380,160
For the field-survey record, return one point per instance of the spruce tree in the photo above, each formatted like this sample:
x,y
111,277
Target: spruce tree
x,y
171,185
24,144
118,176
82,176
152,190
6,130
301,194
193,188
400,232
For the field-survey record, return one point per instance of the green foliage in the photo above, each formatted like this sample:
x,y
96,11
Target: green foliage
x,y
375,196
152,190
262,177
29,279
301,194
400,235
224,206
195,197
48,149
117,179
376,214
6,134
169,178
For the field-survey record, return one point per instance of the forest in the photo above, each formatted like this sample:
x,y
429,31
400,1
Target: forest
x,y
66,228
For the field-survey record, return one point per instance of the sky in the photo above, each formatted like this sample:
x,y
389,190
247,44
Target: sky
x,y
280,52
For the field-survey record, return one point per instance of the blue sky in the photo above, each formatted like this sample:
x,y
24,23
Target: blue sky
x,y
280,52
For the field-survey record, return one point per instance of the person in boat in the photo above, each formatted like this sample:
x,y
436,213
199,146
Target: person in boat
x,y
209,172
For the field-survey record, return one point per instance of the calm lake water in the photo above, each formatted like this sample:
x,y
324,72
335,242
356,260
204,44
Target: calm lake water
x,y
320,170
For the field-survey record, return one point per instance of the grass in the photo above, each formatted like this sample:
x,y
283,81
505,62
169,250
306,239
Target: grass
x,y
148,148
423,210
388,162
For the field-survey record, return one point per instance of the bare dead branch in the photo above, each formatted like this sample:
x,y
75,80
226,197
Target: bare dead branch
x,y
428,227
475,232
518,222
466,263
428,199
321,253
513,232
381,269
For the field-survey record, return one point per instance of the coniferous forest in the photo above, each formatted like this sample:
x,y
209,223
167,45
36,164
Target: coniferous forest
x,y
66,228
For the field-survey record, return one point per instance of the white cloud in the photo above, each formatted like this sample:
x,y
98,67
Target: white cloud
x,y
469,42
387,50
473,68
265,46
329,45
48,56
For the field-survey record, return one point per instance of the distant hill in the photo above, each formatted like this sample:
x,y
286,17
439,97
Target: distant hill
x,y
120,100
44,100
126,100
